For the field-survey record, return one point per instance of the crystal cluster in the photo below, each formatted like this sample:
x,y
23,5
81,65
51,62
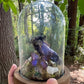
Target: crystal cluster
x,y
43,63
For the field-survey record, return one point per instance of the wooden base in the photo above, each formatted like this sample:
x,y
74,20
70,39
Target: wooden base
x,y
18,79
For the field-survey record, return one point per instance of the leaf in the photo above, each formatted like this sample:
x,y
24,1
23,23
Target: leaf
x,y
22,1
12,6
1,1
5,6
29,1
5,0
73,0
58,0
63,5
34,0
81,6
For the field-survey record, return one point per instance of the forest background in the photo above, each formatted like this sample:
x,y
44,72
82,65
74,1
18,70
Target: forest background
x,y
73,11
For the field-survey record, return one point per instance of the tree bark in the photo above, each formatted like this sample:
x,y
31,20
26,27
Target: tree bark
x,y
20,5
72,12
7,52
56,2
81,32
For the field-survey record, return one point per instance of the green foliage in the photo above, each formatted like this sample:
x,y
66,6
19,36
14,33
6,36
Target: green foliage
x,y
12,6
63,5
5,6
0,1
73,0
22,1
9,4
79,55
16,47
29,1
81,6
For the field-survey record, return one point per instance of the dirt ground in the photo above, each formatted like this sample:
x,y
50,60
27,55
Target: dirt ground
x,y
77,73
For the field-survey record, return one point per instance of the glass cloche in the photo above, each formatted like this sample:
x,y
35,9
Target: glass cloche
x,y
41,29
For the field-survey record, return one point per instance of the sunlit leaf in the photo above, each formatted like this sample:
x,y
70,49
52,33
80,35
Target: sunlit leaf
x,y
81,6
22,1
34,0
29,1
1,1
63,5
12,6
5,0
5,6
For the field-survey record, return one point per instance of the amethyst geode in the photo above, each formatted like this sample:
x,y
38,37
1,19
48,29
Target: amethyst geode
x,y
43,63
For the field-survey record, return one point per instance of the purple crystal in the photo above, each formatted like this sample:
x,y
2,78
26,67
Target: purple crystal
x,y
35,59
34,62
49,53
43,64
34,56
44,50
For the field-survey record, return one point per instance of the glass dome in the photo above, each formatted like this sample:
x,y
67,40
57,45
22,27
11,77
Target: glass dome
x,y
41,29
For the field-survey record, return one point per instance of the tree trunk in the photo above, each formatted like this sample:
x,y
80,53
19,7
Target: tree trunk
x,y
81,32
7,53
20,5
72,12
56,2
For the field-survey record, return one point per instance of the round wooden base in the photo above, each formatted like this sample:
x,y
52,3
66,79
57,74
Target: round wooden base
x,y
18,79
